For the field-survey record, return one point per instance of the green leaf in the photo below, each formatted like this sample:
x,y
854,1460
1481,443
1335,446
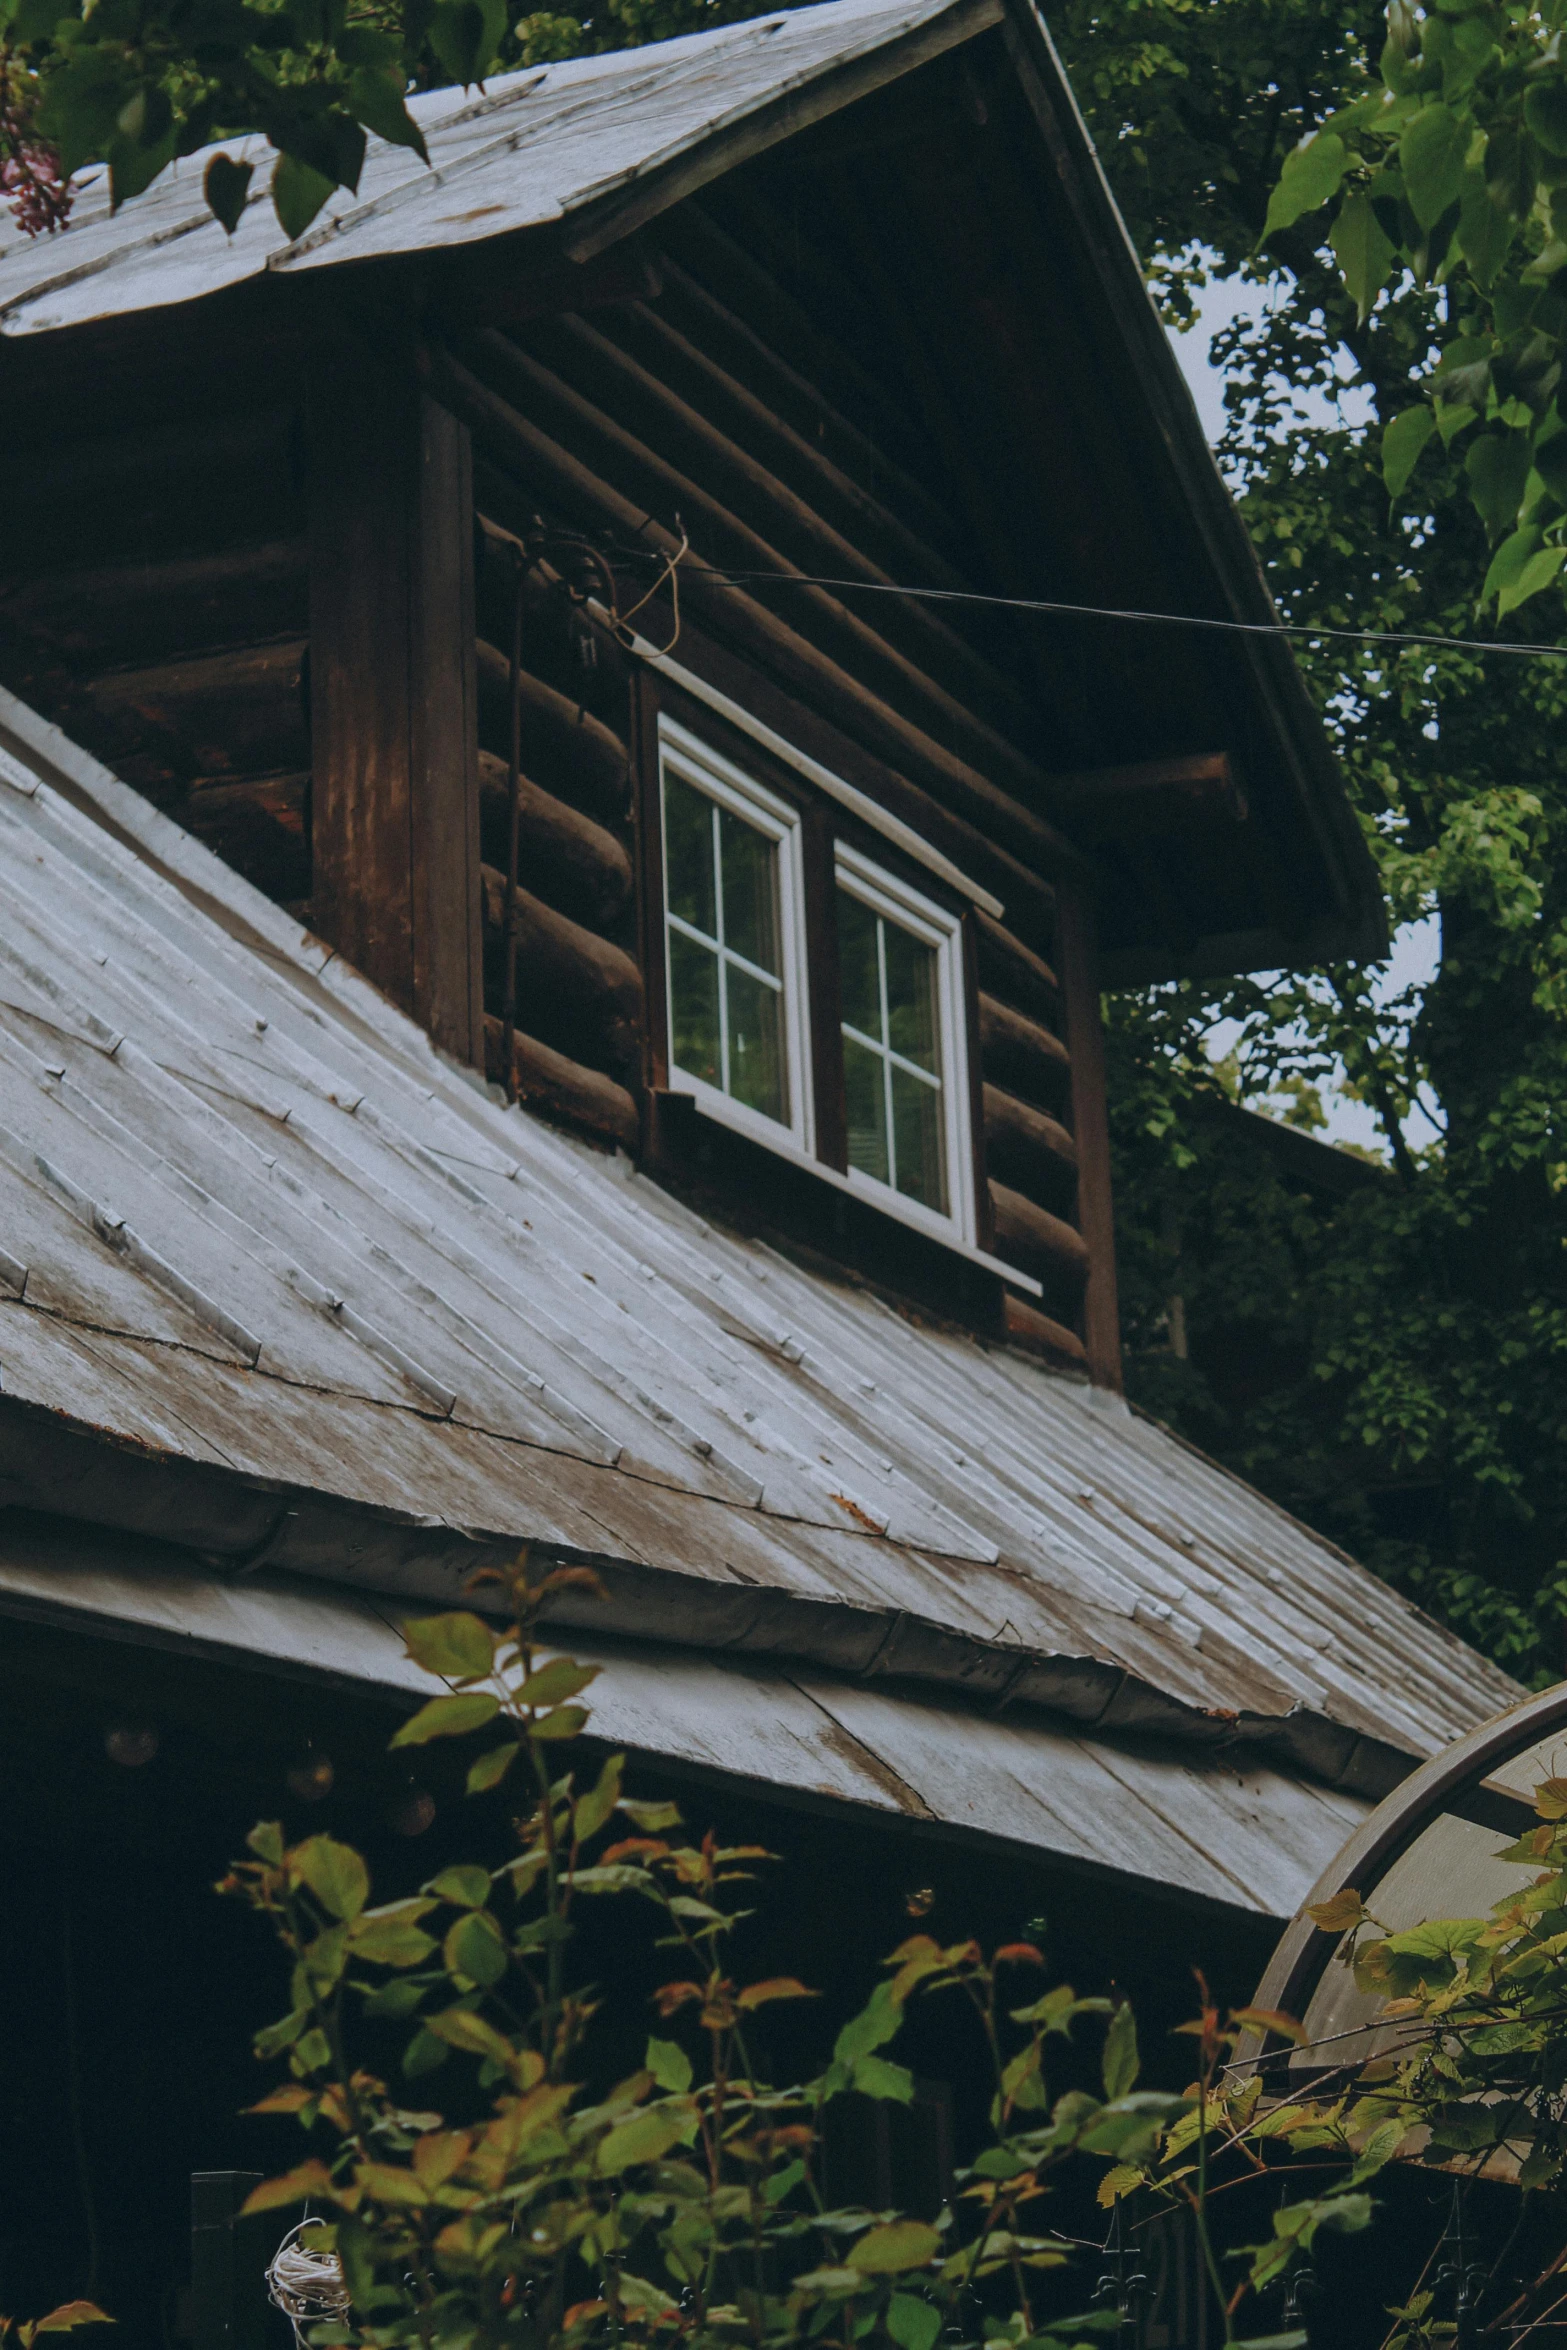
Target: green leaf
x,y
491,1768
1497,467
1311,176
877,2022
272,2039
899,2244
1120,2062
1537,574
465,1885
875,2077
669,2065
1545,115
651,1818
376,97
225,187
335,1874
913,2324
475,1948
266,1842
298,193
644,2138
562,1677
565,1722
448,1717
459,2027
592,1810
459,1646
1432,152
1485,231
1363,252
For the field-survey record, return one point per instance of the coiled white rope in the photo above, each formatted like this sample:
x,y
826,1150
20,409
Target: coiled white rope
x,y
305,2285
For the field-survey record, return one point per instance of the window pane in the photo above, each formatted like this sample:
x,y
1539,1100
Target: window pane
x,y
862,1080
756,1052
911,997
688,855
693,1008
857,927
917,1138
750,862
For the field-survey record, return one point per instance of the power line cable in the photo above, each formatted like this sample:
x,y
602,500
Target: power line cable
x,y
1261,628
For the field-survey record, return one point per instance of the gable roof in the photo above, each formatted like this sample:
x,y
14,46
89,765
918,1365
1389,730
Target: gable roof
x,y
333,1309
551,166
551,146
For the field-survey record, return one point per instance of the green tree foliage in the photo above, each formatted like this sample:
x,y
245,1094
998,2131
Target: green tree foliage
x,y
1390,1365
544,2208
683,2203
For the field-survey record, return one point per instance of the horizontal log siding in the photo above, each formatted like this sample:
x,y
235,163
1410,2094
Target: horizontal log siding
x,y
154,602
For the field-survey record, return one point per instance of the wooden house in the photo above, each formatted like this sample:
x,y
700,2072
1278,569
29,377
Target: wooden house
x,y
569,784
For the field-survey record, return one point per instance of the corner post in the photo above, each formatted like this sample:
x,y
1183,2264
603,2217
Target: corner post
x,y
1077,959
393,692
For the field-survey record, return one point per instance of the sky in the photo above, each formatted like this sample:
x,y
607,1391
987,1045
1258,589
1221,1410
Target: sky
x,y
1417,947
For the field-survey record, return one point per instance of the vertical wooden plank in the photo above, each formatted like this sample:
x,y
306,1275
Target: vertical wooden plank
x,y
648,851
1077,960
362,419
393,692
984,1211
823,992
448,980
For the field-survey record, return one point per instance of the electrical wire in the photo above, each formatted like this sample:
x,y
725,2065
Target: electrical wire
x,y
1043,604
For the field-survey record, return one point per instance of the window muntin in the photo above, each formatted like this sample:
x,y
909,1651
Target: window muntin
x,y
893,1077
904,1058
733,941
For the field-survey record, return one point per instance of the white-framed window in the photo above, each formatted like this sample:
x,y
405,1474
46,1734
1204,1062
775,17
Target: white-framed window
x,y
905,1048
734,943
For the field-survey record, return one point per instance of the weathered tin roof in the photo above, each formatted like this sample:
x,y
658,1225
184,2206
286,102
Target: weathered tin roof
x,y
532,149
1212,1827
341,1312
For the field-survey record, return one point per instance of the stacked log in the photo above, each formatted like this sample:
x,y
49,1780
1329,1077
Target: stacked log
x,y
580,1002
171,640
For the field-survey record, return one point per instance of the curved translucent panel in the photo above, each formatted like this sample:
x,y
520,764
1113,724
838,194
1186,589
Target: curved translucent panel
x,y
1544,1758
1452,1870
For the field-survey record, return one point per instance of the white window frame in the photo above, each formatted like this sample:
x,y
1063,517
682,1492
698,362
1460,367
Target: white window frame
x,y
907,909
696,763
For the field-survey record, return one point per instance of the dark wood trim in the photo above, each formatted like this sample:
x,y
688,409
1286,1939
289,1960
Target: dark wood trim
x,y
824,990
363,438
984,1211
648,835
394,748
448,963
1156,797
1077,954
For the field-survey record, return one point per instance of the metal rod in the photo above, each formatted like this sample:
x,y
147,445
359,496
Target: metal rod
x,y
513,827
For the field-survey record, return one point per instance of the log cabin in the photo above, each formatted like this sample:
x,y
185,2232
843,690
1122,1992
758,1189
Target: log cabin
x,y
575,760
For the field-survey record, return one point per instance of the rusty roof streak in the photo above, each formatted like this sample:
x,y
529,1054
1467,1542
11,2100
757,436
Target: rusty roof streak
x,y
715,1427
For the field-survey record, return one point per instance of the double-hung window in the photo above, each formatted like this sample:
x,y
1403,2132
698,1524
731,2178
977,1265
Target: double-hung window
x,y
737,975
899,983
733,942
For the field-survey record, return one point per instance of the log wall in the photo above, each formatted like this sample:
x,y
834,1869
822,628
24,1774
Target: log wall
x,y
154,601
158,599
